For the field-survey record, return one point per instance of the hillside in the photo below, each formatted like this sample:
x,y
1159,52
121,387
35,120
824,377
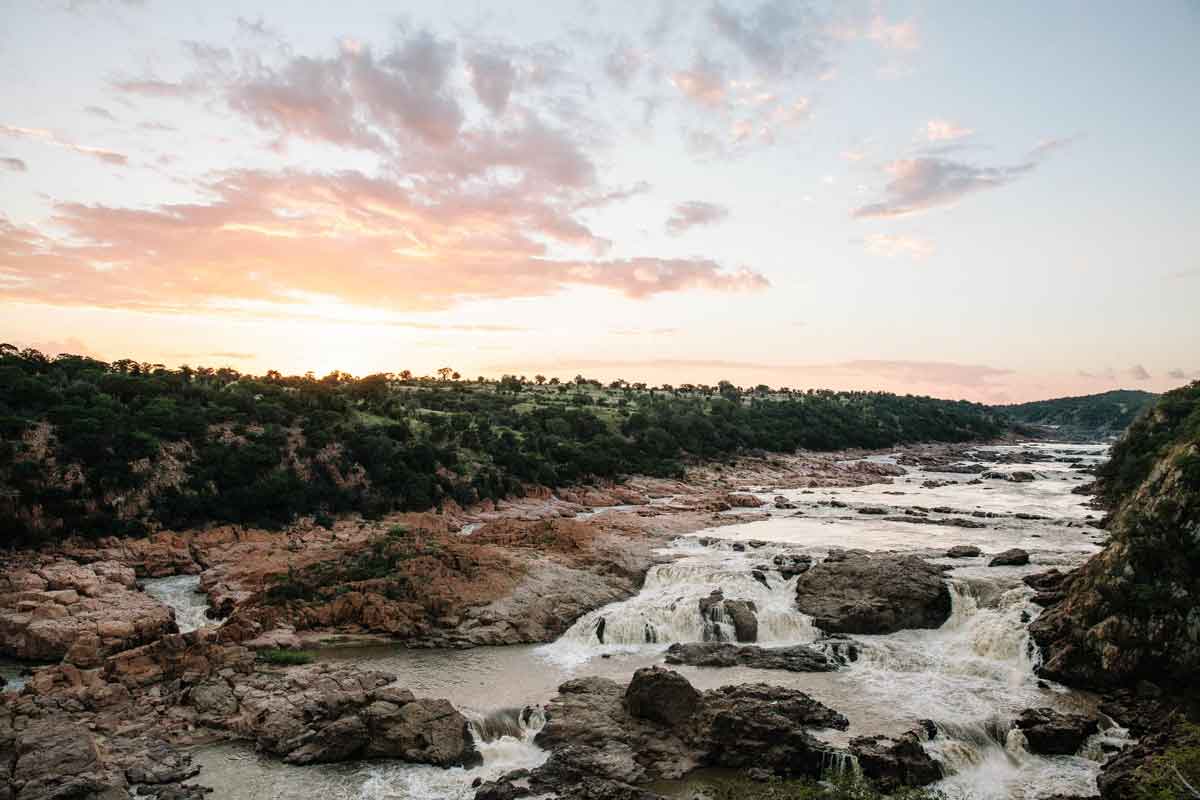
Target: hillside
x,y
1130,613
92,448
1093,416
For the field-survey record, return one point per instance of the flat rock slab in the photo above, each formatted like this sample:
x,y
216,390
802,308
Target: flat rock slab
x,y
798,658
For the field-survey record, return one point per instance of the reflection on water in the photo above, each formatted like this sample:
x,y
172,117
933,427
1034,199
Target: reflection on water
x,y
970,677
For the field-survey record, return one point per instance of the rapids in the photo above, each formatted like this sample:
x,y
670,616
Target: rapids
x,y
970,677
182,594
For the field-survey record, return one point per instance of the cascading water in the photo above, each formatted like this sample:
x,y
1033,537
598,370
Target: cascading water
x,y
668,609
971,677
181,593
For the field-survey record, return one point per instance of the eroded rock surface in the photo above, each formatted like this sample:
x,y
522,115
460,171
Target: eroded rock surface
x,y
57,609
873,594
823,657
1052,733
609,741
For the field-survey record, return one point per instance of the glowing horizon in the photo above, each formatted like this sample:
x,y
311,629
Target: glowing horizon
x,y
845,196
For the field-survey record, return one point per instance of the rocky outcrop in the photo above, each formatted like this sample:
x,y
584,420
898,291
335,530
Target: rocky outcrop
x,y
715,610
1132,612
57,609
825,656
330,713
609,741
963,551
873,594
790,565
1016,557
894,763
1051,733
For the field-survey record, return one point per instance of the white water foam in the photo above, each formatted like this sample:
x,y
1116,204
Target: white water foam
x,y
181,593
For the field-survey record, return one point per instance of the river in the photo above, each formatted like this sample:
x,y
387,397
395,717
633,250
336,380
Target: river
x,y
971,676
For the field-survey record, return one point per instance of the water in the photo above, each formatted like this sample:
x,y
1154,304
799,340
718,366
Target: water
x,y
971,677
182,594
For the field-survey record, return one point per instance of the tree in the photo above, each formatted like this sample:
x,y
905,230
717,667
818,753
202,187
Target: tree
x,y
456,376
554,381
540,379
445,372
406,375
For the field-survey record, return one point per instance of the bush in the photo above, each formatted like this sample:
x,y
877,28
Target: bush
x,y
286,658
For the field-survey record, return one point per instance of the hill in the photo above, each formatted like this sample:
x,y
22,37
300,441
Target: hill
x,y
1093,416
94,448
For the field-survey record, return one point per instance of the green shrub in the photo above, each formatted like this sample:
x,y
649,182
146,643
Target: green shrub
x,y
286,658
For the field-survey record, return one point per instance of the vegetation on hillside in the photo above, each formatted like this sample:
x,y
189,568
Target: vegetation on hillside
x,y
95,448
1131,611
1093,416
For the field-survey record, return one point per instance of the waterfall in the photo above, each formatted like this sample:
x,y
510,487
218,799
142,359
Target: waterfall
x,y
667,610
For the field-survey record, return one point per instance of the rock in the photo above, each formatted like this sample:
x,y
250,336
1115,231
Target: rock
x,y
873,510
327,713
895,763
758,725
792,564
54,759
1048,585
874,594
797,658
963,551
743,501
783,503
57,609
603,742
1050,733
1016,557
661,695
741,614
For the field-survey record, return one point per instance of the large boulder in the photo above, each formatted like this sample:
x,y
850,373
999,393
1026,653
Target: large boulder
x,y
963,551
894,763
662,695
1050,733
608,741
1016,557
792,564
328,713
874,594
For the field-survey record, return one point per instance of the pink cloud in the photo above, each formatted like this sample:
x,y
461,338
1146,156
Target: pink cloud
x,y
942,130
694,213
893,245
37,134
281,240
703,83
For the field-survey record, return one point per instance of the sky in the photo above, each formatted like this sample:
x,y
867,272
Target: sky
x,y
994,202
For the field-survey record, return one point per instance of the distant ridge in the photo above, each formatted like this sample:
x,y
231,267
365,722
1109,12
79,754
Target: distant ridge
x,y
1092,416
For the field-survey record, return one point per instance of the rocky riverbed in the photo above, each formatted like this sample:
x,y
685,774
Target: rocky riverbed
x,y
864,584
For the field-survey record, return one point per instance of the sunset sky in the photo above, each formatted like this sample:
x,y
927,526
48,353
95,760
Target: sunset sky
x,y
971,200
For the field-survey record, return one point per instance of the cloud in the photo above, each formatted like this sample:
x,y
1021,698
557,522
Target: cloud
x,y
1047,147
918,184
778,38
295,242
1177,374
37,134
1138,373
943,130
354,99
691,214
622,64
492,77
893,245
895,35
13,164
1107,374
102,113
703,83
153,87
